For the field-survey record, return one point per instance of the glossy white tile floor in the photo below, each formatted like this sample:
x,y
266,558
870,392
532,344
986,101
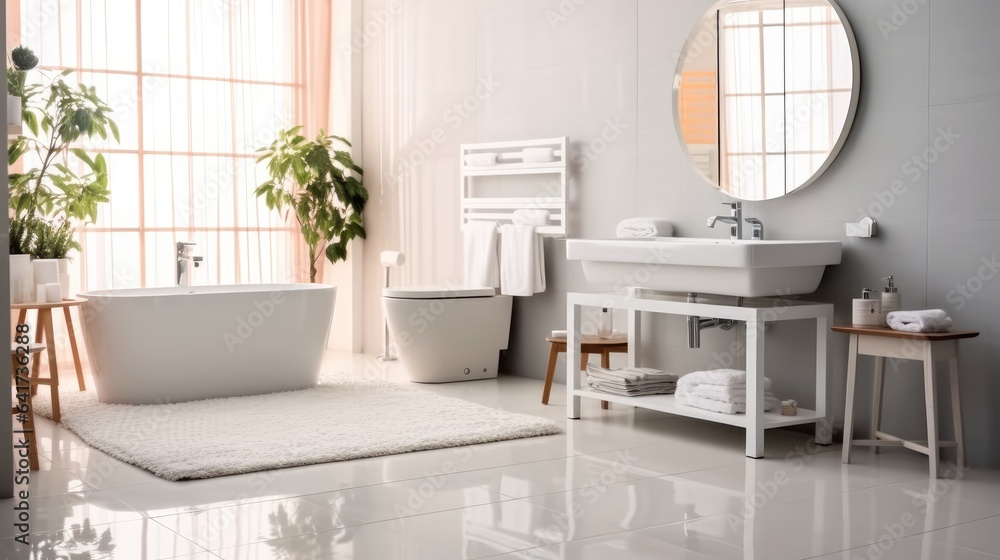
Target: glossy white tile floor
x,y
618,484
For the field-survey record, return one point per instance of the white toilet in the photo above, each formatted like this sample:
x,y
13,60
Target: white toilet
x,y
445,334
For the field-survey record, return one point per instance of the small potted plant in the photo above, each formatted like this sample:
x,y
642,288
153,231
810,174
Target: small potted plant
x,y
21,60
321,186
21,239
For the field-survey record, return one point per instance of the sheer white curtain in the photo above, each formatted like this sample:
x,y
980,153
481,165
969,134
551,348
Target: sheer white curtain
x,y
781,97
196,86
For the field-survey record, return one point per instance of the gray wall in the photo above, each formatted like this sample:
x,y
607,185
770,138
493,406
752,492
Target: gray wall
x,y
936,70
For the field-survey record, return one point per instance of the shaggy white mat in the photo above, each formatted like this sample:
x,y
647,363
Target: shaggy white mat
x,y
343,418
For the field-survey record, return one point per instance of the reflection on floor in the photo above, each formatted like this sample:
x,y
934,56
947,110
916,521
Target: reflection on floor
x,y
618,484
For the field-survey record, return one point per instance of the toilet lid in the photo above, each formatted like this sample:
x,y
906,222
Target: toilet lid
x,y
437,292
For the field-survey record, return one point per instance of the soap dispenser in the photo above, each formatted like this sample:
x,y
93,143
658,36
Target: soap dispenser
x,y
890,297
606,326
867,312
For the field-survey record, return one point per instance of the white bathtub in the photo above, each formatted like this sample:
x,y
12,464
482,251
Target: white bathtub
x,y
167,345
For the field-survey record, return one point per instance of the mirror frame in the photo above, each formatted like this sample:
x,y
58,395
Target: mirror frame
x,y
852,108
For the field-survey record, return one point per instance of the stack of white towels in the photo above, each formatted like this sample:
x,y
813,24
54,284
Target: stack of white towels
x,y
631,382
720,390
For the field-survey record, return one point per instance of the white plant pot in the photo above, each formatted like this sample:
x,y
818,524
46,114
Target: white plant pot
x,y
21,279
64,277
46,271
13,115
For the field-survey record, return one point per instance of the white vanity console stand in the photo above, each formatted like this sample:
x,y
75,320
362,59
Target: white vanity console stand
x,y
754,312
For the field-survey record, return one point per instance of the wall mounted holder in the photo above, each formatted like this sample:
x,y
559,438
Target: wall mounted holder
x,y
866,227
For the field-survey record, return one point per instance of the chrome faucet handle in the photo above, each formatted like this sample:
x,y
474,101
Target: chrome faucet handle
x,y
735,220
758,228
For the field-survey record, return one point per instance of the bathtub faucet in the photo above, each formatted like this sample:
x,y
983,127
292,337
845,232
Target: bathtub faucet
x,y
185,262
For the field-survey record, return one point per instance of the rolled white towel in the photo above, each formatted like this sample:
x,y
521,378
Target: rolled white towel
x,y
644,227
723,377
926,320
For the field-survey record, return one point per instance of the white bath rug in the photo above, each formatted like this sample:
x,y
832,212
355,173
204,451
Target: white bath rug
x,y
342,418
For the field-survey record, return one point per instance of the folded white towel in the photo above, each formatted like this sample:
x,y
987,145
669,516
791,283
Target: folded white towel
x,y
522,261
720,392
631,375
927,320
644,227
686,399
704,392
530,217
736,378
479,248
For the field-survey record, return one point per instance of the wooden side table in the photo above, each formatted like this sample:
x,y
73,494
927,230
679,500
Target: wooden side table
x,y
885,343
45,334
27,419
589,345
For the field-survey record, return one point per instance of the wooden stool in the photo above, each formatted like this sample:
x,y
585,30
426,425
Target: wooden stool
x,y
45,333
588,345
885,343
24,397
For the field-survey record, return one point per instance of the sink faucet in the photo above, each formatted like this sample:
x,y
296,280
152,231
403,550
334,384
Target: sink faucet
x,y
758,228
734,219
185,262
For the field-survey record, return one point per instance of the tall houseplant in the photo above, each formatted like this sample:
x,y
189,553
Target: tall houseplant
x,y
49,198
321,186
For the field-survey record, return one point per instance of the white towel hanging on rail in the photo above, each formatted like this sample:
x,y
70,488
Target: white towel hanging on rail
x,y
480,254
522,261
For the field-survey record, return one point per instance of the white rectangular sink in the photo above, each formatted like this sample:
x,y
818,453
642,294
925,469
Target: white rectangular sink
x,y
706,266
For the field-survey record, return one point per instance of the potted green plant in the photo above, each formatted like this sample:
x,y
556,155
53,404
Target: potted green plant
x,y
58,115
21,60
321,186
21,239
53,239
47,200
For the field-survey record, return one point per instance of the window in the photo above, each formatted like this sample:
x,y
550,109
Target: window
x,y
196,86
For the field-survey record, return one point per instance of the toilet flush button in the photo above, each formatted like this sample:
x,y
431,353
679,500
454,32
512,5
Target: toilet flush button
x,y
467,371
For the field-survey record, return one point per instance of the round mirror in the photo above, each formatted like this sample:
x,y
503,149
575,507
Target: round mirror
x,y
765,93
